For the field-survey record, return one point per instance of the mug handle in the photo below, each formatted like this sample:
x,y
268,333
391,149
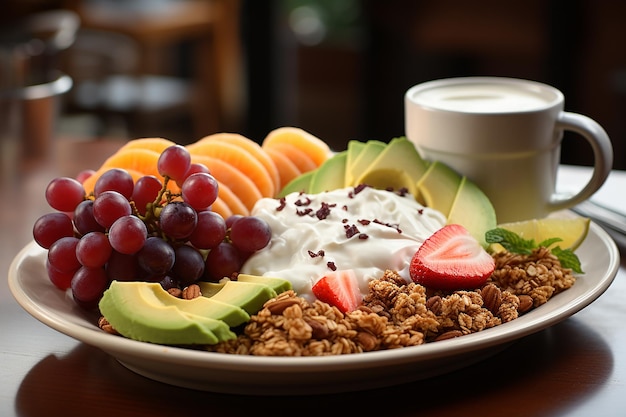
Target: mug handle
x,y
602,153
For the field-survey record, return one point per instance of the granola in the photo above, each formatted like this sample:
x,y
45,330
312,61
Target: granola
x,y
396,314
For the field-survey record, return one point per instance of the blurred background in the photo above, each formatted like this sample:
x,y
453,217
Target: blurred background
x,y
183,69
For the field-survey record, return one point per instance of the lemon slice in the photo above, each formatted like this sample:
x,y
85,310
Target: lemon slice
x,y
572,231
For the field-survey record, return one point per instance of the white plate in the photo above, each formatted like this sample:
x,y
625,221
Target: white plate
x,y
288,375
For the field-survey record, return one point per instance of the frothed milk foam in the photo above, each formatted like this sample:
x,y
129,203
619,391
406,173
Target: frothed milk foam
x,y
484,98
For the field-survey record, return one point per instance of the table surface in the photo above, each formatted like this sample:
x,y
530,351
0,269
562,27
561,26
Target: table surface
x,y
575,368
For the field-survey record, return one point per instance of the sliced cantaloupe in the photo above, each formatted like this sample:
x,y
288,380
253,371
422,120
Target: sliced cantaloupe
x,y
252,147
239,158
311,145
300,158
242,186
287,170
221,208
152,144
233,202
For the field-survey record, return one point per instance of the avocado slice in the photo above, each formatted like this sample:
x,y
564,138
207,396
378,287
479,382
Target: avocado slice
x,y
277,284
354,149
473,210
371,151
330,175
204,306
248,295
136,312
438,187
299,184
397,166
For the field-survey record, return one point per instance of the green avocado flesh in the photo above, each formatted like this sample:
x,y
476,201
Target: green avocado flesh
x,y
135,311
144,311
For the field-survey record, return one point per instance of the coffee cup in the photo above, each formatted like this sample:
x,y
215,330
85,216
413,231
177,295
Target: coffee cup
x,y
505,135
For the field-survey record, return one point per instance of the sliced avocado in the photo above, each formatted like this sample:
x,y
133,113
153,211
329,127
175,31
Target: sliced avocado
x,y
354,149
438,187
277,284
473,210
330,175
371,151
248,295
399,164
299,184
203,306
209,289
134,311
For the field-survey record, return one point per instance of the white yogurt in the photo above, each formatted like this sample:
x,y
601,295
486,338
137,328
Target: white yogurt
x,y
388,229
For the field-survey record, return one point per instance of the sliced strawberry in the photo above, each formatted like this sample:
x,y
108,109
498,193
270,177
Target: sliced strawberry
x,y
339,289
451,259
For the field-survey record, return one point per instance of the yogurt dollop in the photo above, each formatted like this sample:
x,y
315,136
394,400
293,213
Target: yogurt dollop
x,y
363,229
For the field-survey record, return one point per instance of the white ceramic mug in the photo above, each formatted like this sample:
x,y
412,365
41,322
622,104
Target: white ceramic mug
x,y
505,135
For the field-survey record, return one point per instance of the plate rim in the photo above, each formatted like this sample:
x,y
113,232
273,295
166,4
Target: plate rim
x,y
122,347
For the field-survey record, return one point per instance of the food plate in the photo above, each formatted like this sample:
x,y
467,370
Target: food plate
x,y
305,375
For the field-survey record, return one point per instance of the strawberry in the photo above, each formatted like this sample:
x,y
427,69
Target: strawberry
x,y
339,289
451,259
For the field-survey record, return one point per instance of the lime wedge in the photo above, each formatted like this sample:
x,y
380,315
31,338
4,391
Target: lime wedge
x,y
572,231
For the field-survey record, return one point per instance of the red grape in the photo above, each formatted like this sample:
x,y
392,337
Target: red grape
x,y
51,227
209,232
222,261
60,279
250,234
64,193
174,162
88,285
62,254
156,257
146,191
84,174
123,267
93,250
194,168
128,234
188,266
110,206
200,190
178,220
84,221
115,179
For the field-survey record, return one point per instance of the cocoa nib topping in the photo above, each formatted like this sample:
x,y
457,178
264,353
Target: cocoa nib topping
x,y
307,211
324,211
351,230
319,253
331,265
282,204
357,190
304,202
393,226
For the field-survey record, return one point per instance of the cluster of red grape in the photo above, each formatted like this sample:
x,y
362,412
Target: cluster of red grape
x,y
142,231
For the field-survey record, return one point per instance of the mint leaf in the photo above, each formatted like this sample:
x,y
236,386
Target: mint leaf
x,y
568,259
514,243
511,241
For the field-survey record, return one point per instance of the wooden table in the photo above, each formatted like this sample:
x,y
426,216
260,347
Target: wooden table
x,y
575,368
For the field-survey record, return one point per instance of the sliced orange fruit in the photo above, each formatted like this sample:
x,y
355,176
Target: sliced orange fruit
x,y
287,170
242,186
152,144
300,159
221,208
239,158
311,145
233,202
252,147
